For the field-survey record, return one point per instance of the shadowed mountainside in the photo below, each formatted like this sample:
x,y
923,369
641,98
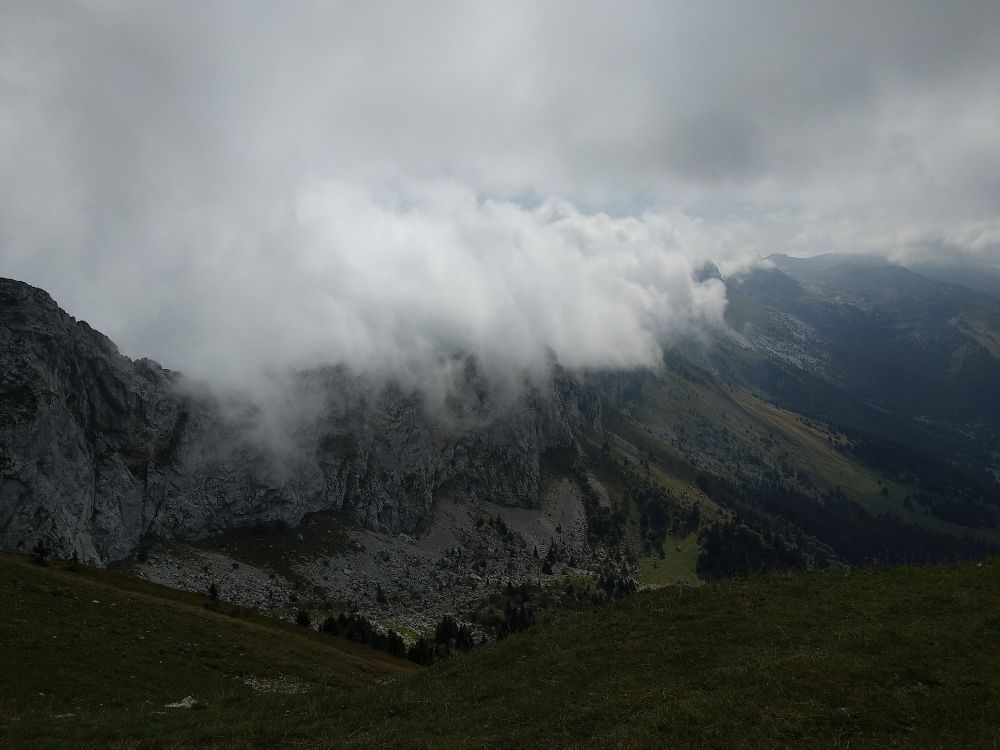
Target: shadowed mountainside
x,y
98,451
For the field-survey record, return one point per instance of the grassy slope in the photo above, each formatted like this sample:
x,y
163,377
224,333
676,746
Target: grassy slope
x,y
745,425
982,331
881,658
111,650
681,553
897,656
758,427
677,566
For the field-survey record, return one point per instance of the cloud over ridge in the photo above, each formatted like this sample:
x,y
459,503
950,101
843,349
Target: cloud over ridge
x,y
234,188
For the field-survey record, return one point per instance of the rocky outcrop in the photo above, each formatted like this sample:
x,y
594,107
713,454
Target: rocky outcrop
x,y
97,450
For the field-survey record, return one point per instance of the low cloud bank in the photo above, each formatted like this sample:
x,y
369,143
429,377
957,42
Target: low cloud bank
x,y
403,282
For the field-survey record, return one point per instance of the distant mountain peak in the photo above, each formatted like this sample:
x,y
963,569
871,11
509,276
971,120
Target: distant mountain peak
x,y
827,260
708,270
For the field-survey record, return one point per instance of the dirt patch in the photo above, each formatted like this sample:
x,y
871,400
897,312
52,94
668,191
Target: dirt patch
x,y
561,520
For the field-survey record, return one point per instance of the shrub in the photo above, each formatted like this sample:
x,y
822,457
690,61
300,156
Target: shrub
x,y
40,553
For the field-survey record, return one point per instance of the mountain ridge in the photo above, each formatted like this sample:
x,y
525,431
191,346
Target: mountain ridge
x,y
141,452
99,451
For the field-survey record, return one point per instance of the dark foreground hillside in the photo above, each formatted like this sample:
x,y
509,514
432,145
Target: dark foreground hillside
x,y
893,657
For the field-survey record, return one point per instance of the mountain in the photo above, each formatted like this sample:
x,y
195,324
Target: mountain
x,y
868,345
843,420
98,451
981,277
843,417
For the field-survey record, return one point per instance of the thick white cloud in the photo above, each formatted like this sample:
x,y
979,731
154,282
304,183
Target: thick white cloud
x,y
403,281
230,186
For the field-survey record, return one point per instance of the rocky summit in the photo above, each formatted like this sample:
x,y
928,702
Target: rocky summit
x,y
98,451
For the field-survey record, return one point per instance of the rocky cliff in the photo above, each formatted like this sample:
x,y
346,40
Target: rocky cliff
x,y
97,450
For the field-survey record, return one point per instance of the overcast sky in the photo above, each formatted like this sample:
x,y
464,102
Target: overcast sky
x,y
237,185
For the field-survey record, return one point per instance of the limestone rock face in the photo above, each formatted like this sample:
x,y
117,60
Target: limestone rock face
x,y
97,450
